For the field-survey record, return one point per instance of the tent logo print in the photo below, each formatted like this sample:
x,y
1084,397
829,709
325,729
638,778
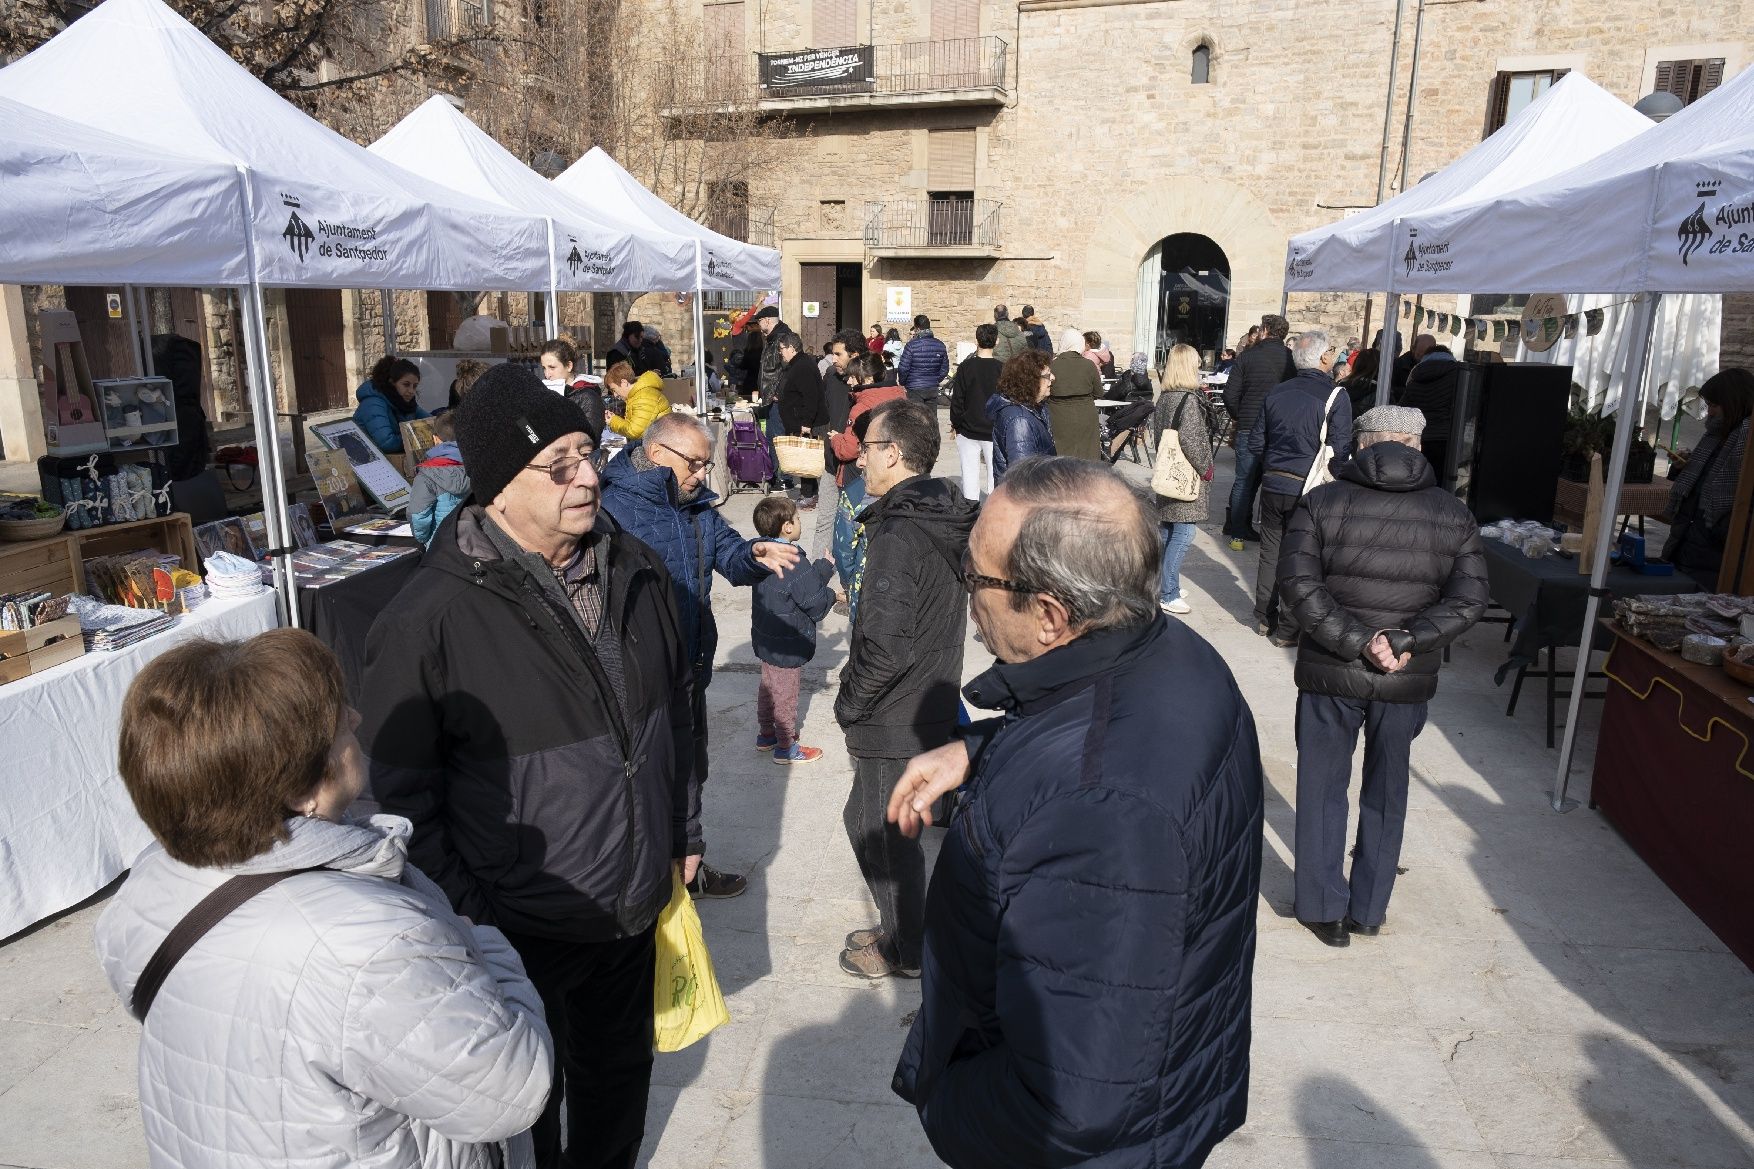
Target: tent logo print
x,y
574,261
1412,256
299,236
1694,231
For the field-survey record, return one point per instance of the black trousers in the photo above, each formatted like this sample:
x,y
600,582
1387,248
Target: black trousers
x,y
894,867
1275,510
1327,731
697,709
598,1000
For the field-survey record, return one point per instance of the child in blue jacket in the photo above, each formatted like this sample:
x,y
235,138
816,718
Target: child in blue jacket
x,y
783,633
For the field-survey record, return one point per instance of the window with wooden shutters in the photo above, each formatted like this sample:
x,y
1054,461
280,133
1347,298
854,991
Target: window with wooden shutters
x,y
834,23
727,67
954,19
950,187
1511,92
1690,80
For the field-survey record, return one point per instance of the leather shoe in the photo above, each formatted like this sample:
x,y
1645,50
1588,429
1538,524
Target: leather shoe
x,y
1369,931
1281,642
1332,933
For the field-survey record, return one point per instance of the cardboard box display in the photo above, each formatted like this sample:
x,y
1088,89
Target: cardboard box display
x,y
31,651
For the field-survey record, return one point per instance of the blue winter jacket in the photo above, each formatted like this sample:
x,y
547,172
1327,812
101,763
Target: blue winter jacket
x,y
381,421
1090,926
786,611
692,539
1288,430
924,364
1018,432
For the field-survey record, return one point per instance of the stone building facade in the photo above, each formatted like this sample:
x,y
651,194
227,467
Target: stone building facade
x,y
1095,130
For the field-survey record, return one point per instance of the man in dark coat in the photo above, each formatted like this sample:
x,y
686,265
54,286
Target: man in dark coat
x,y
1422,344
1257,369
772,328
898,687
657,491
628,349
1381,569
1035,332
924,363
526,707
1009,341
799,407
1431,389
1287,434
179,359
1090,930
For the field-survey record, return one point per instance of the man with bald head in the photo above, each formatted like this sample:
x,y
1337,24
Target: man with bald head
x,y
1090,927
1422,345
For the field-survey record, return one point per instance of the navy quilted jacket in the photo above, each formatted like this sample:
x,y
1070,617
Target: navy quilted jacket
x,y
691,538
1090,929
924,362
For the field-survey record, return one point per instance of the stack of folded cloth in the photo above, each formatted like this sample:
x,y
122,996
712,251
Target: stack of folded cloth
x,y
113,627
231,576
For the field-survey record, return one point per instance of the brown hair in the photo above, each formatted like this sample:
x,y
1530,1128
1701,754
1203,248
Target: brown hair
x,y
772,513
618,373
1092,339
220,739
563,350
469,372
1020,380
444,427
1731,391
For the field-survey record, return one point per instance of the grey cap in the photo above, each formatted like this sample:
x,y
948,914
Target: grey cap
x,y
1390,420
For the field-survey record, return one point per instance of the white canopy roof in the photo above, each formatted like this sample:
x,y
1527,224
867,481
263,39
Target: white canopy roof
x,y
598,250
325,213
1572,122
1669,211
85,207
726,264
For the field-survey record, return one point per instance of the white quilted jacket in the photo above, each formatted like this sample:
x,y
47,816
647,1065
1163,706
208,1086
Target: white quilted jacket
x,y
340,1018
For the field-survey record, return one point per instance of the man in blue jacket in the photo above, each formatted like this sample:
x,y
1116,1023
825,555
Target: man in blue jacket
x,y
1090,928
1296,418
924,363
657,491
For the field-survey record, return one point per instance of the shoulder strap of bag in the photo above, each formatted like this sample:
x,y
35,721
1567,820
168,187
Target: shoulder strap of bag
x,y
1327,411
208,912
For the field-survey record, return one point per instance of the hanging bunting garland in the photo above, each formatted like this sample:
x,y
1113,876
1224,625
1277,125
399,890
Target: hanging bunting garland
x,y
1455,326
1571,324
1593,321
1513,330
1407,309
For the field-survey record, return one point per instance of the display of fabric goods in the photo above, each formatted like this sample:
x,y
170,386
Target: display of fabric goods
x,y
136,493
1665,621
229,575
112,627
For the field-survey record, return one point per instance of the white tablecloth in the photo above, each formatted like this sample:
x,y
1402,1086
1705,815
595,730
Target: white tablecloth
x,y
67,827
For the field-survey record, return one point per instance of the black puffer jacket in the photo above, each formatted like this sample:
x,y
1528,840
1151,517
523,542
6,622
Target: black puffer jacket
x,y
898,687
1431,388
540,803
1381,547
1253,374
799,394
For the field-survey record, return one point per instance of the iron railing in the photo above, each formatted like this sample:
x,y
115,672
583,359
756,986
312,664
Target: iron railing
x,y
932,223
448,19
911,67
751,225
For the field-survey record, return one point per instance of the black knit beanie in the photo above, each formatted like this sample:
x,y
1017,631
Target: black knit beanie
x,y
504,423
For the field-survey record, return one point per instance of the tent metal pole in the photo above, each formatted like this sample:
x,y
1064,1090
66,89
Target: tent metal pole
x,y
1630,390
269,470
551,310
1385,367
699,337
146,333
387,307
133,330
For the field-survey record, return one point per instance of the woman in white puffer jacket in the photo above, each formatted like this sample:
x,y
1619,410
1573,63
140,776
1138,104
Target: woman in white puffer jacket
x,y
341,1017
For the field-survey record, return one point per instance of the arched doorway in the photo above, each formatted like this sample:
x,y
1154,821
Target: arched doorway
x,y
1183,296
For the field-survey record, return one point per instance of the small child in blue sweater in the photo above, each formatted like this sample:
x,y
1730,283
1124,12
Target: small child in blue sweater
x,y
783,634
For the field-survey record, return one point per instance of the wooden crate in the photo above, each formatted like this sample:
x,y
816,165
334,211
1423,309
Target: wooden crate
x,y
52,564
172,533
31,651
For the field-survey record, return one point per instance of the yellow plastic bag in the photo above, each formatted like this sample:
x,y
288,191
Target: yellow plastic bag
x,y
686,1002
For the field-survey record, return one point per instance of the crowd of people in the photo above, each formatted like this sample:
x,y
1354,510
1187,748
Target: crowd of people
x,y
439,984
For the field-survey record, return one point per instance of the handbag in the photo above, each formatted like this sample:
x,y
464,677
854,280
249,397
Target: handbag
x,y
1174,476
800,457
686,1002
1319,471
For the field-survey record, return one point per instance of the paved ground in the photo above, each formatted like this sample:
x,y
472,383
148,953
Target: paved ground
x,y
1539,999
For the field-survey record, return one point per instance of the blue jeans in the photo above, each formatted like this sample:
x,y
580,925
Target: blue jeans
x,y
1240,515
1177,539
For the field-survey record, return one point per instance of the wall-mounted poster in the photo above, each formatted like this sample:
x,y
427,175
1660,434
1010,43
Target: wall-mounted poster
x,y
899,304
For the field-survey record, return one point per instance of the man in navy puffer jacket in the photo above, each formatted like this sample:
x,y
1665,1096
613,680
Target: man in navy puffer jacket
x,y
1090,929
924,363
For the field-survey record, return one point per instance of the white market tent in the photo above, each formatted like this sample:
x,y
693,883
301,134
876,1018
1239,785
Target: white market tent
x,y
1670,211
86,207
1574,121
726,264
594,251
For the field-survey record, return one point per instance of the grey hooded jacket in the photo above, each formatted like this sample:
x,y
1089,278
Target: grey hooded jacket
x,y
339,1018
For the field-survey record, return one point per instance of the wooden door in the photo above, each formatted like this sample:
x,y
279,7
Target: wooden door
x,y
817,285
108,352
319,359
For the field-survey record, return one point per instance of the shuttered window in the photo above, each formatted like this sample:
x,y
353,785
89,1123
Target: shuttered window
x,y
1690,80
1513,91
834,23
950,160
954,19
724,28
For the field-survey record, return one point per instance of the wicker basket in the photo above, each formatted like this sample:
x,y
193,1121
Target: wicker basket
x,y
21,530
1739,670
799,456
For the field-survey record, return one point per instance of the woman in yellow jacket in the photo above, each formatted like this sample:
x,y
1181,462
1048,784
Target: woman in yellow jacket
x,y
644,397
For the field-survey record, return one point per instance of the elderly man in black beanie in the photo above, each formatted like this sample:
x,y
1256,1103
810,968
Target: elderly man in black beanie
x,y
527,709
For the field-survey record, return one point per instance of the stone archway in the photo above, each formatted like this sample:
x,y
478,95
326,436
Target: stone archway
x,y
1230,216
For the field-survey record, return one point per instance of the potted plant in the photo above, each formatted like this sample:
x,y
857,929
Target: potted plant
x,y
1586,433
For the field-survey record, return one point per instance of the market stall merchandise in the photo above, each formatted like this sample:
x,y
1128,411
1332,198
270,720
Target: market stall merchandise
x,y
67,827
1691,818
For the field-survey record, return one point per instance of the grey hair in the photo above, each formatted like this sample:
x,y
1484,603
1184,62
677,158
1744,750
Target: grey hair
x,y
1365,437
665,428
1307,350
1089,540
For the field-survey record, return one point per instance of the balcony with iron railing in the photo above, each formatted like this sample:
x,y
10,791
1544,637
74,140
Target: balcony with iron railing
x,y
449,19
750,225
945,228
965,71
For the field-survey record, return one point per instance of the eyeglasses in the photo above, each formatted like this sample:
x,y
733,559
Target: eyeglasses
x,y
561,470
974,580
695,466
867,445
